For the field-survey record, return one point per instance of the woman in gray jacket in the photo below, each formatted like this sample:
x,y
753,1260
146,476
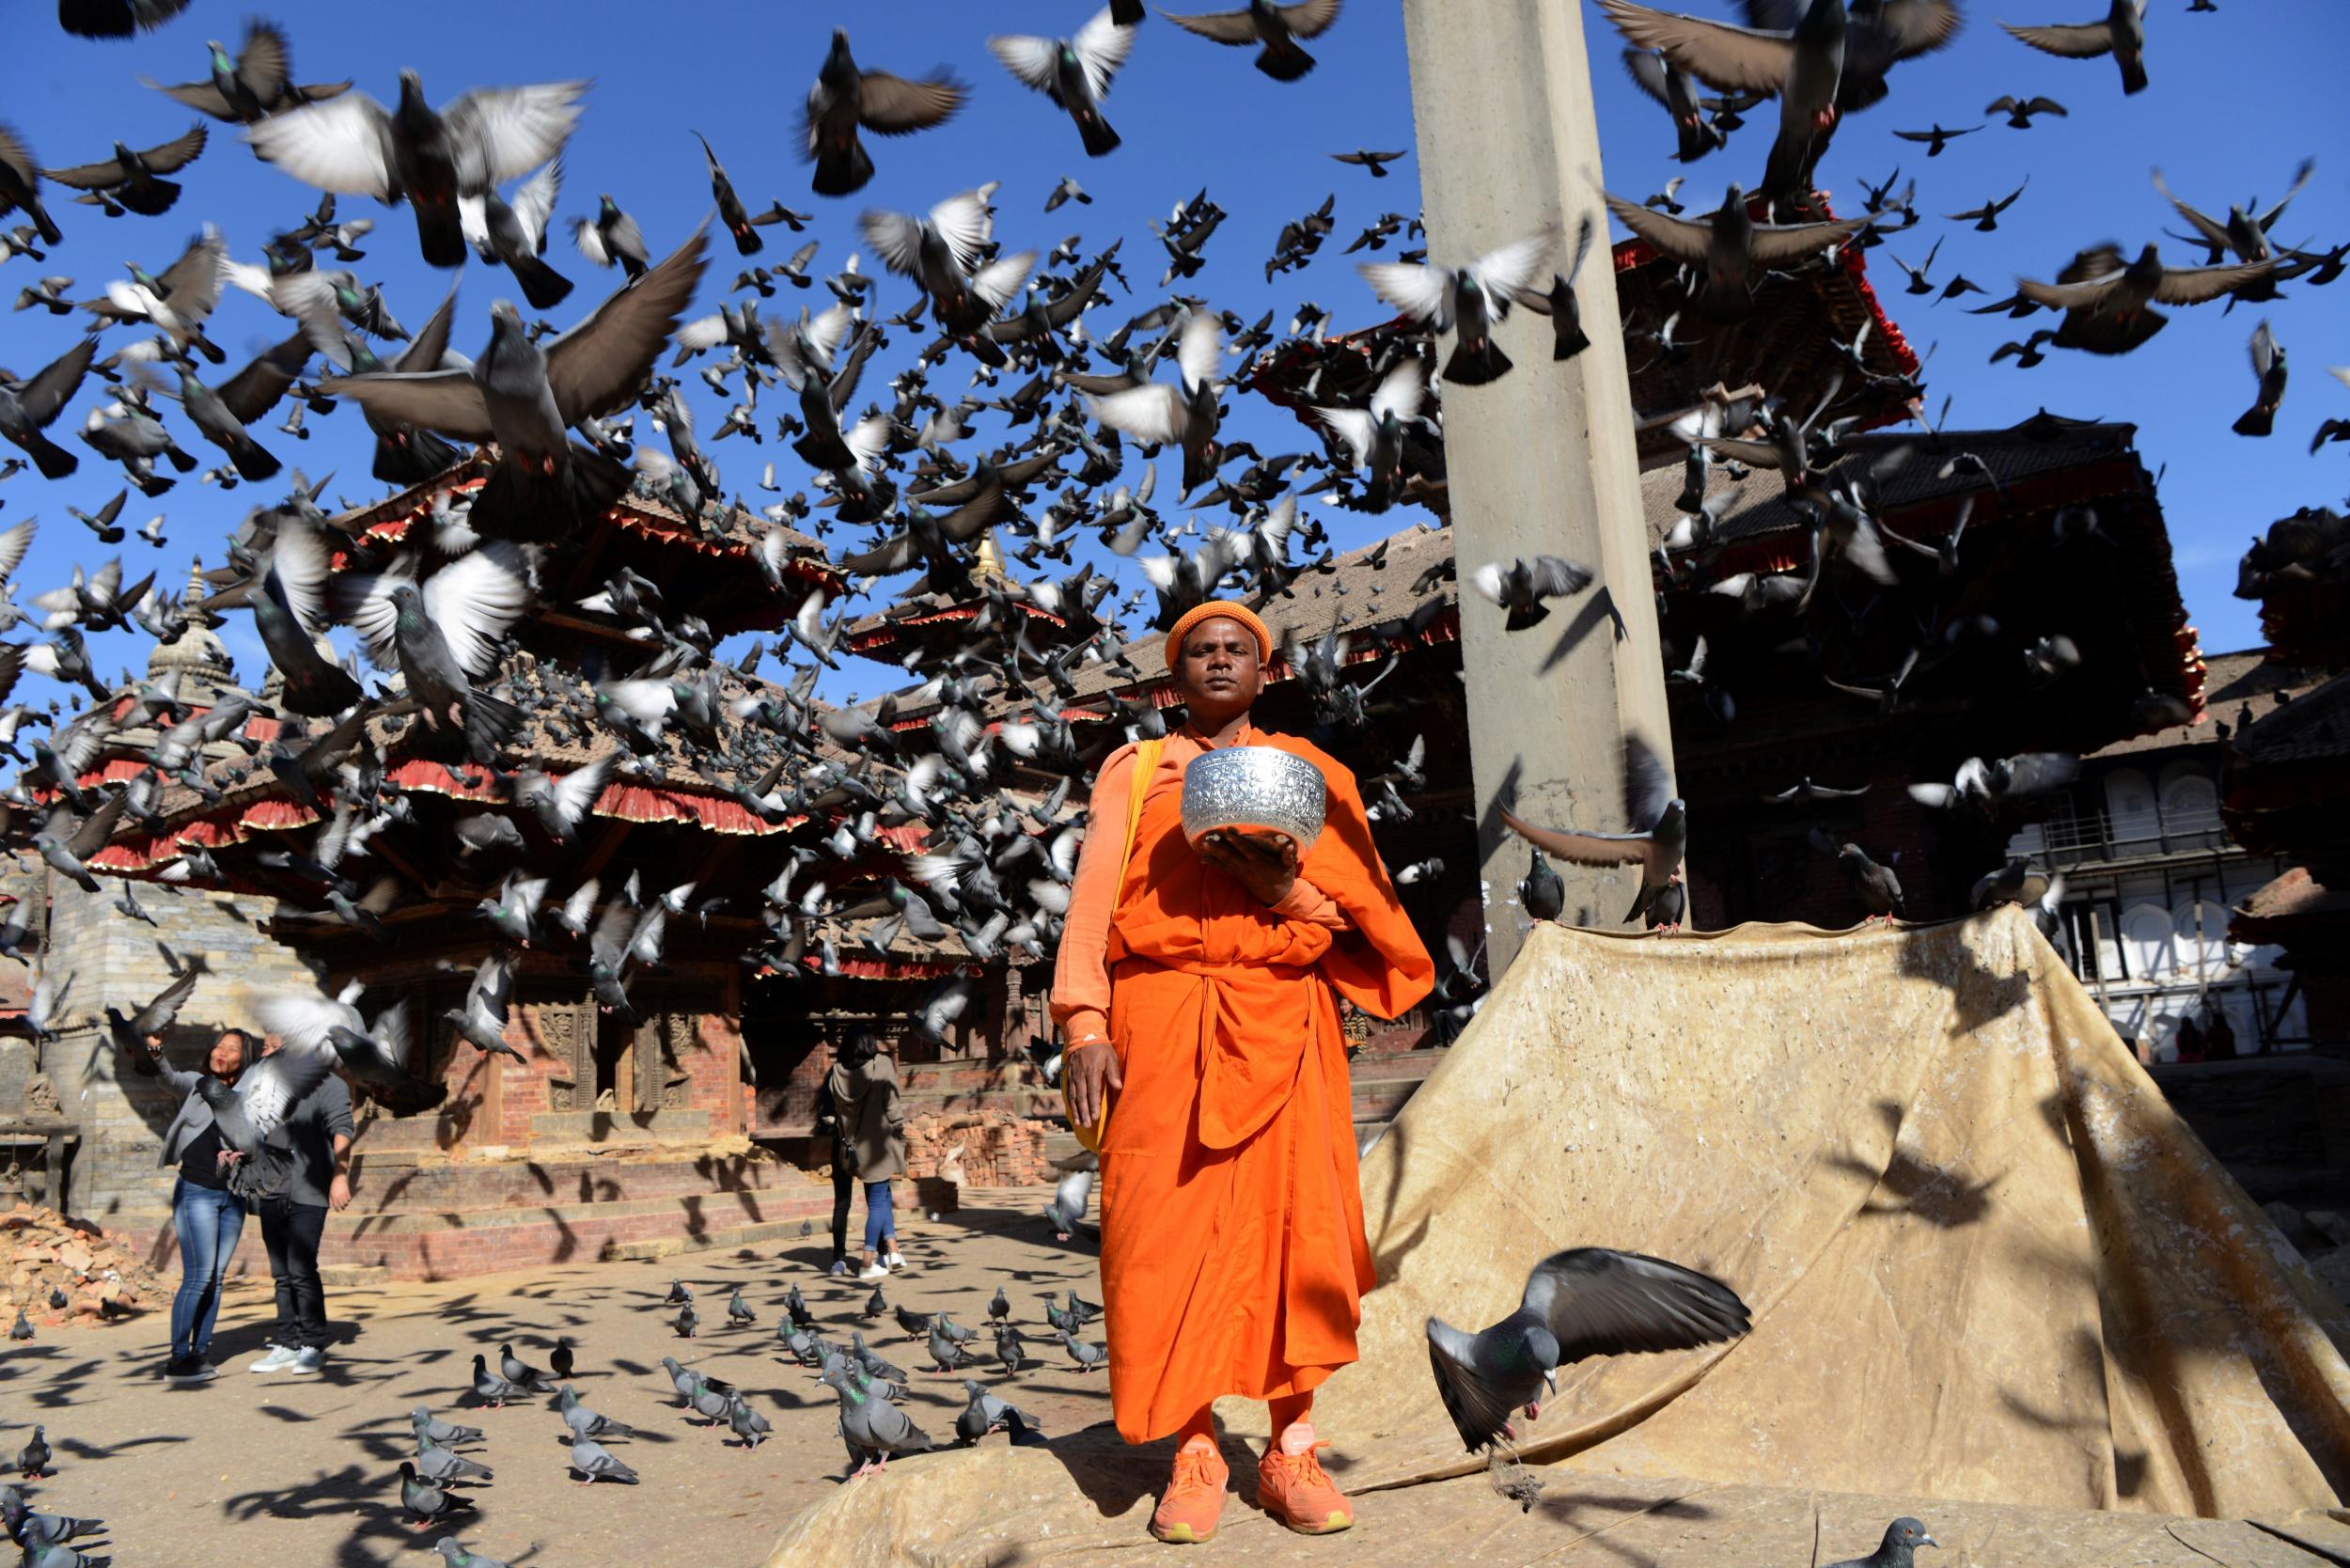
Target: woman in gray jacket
x,y
865,1094
207,1217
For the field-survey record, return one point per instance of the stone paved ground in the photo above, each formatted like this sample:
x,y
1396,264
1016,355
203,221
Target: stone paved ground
x,y
290,1473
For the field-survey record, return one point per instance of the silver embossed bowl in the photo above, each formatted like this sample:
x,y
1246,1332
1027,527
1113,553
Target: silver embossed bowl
x,y
1254,788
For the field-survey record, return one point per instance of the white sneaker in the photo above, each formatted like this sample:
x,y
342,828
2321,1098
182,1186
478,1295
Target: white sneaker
x,y
307,1362
874,1270
278,1359
894,1261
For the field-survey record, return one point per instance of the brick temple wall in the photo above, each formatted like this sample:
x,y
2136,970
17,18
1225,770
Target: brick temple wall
x,y
100,957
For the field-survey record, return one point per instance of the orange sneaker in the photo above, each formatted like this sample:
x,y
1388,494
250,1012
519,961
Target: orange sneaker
x,y
1194,1500
1293,1488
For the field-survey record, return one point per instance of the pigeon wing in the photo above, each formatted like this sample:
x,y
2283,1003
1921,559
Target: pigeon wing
x,y
595,367
343,145
449,402
1101,47
1674,237
1026,56
895,105
1775,244
1235,27
499,133
272,1086
2195,285
1582,849
1309,19
1600,1302
2080,41
1725,58
475,599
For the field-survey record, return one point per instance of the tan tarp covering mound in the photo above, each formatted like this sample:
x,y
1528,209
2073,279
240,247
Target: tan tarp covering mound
x,y
1986,1263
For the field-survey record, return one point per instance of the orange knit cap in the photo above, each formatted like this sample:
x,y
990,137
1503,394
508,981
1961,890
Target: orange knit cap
x,y
1214,609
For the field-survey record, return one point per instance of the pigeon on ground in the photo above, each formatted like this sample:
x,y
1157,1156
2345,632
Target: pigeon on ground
x,y
587,1422
747,1424
487,1386
1583,1302
986,1413
2122,35
945,1353
795,1306
1087,1357
1082,1309
36,1531
739,1311
23,1327
450,1548
679,1294
1009,1349
999,1307
1902,1537
425,1502
914,1323
686,1322
708,1402
875,1305
1660,829
593,1462
437,1464
871,1425
430,1428
32,1460
871,1364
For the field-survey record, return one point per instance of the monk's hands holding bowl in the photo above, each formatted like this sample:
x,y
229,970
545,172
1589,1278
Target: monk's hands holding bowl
x,y
1264,863
1093,1072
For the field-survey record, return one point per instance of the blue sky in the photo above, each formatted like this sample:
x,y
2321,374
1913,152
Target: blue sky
x,y
2231,112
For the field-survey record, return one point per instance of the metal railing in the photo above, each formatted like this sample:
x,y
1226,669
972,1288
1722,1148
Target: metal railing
x,y
2123,835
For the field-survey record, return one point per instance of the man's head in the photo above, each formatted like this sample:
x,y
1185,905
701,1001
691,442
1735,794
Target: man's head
x,y
230,1052
1217,655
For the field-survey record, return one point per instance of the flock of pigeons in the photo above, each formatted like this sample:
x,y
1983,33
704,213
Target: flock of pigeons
x,y
435,615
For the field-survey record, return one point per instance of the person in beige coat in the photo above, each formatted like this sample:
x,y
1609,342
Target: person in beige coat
x,y
869,1109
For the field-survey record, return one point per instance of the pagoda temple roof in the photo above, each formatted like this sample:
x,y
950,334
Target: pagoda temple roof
x,y
712,564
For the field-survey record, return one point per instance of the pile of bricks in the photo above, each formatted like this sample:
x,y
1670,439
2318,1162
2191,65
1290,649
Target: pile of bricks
x,y
997,1148
44,1256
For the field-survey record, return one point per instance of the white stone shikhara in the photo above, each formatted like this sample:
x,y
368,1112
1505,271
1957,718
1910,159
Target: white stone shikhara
x,y
1543,461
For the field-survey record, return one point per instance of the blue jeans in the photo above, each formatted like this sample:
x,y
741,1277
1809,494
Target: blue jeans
x,y
880,1216
208,1221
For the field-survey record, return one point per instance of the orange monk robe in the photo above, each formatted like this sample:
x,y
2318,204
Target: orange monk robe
x,y
1234,1258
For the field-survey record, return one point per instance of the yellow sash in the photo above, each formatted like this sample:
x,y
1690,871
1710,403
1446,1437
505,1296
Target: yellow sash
x,y
1146,764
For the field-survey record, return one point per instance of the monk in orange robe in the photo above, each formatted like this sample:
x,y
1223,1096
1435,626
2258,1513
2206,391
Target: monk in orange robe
x,y
1197,997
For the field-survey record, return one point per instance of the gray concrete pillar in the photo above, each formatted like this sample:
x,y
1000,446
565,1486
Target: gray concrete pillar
x,y
1540,462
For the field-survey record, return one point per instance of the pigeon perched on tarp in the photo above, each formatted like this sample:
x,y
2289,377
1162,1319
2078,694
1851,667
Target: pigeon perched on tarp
x,y
1902,1537
1583,1302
